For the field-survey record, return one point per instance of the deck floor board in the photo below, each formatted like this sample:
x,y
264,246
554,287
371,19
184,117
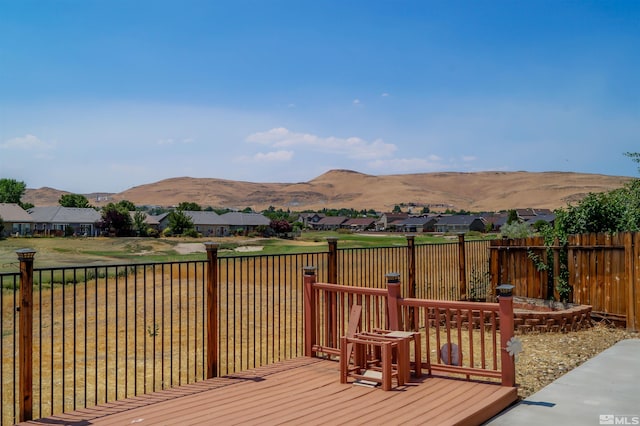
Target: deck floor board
x,y
301,391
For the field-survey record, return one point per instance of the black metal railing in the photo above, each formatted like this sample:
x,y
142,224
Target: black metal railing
x,y
108,332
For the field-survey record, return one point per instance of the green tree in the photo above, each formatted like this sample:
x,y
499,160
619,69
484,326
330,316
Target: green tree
x,y
516,230
140,223
179,222
189,207
396,209
74,200
11,191
127,205
613,211
513,217
1,228
116,219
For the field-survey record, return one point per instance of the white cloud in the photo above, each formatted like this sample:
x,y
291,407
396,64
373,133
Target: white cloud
x,y
468,158
356,101
384,95
353,147
26,143
273,156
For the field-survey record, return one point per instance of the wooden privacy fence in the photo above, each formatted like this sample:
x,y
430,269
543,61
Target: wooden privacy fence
x,y
602,270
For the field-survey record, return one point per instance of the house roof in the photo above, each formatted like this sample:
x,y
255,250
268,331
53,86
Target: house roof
x,y
395,216
148,219
458,219
332,220
205,218
244,219
10,212
59,214
545,217
418,220
310,215
360,221
497,219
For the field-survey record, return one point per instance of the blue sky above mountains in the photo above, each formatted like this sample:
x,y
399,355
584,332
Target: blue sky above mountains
x,y
105,95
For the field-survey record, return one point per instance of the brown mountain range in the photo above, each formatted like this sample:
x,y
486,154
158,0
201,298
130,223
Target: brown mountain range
x,y
479,191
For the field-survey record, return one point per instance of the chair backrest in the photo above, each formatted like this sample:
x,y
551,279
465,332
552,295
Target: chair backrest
x,y
354,323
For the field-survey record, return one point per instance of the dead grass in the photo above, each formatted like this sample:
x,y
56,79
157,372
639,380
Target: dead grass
x,y
480,191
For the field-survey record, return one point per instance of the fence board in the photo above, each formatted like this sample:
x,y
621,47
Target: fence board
x,y
603,271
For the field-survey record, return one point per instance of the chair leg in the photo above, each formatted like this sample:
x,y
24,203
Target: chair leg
x,y
417,354
344,362
386,366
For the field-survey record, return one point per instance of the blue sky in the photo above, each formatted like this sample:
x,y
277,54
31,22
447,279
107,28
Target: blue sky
x,y
106,95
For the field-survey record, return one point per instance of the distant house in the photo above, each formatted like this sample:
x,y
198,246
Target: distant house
x,y
150,220
460,223
496,220
16,220
54,220
548,218
238,222
331,223
360,224
418,224
390,221
206,223
310,220
211,224
527,215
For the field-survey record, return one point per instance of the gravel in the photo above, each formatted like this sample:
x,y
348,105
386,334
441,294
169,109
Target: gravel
x,y
547,356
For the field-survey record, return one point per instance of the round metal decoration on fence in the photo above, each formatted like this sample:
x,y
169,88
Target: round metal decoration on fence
x,y
450,354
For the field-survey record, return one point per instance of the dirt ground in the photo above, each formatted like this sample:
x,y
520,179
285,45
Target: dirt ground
x,y
547,356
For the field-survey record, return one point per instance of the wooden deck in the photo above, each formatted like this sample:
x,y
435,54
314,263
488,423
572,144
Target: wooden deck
x,y
301,391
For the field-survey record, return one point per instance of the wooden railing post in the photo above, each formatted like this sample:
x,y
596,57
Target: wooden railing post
x,y
506,333
26,256
393,296
462,266
309,310
411,284
332,278
212,309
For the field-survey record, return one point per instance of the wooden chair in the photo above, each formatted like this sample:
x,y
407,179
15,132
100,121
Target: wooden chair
x,y
364,345
378,368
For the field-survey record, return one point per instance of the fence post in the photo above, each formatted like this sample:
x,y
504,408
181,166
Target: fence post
x,y
505,299
26,256
411,258
462,263
629,266
393,296
212,309
553,287
309,310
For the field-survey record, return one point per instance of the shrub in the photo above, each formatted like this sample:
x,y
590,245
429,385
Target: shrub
x,y
192,233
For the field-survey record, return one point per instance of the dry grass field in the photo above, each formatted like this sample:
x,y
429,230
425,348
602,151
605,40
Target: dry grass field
x,y
480,191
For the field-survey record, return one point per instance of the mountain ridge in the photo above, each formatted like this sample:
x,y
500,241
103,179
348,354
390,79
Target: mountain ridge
x,y
471,191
